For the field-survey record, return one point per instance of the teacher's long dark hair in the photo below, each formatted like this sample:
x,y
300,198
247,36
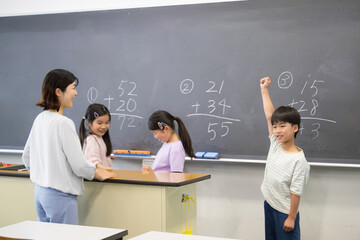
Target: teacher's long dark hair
x,y
165,117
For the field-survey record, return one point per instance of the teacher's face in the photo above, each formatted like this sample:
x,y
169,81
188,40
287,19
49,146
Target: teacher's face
x,y
67,97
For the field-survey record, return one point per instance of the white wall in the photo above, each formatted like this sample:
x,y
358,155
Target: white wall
x,y
230,203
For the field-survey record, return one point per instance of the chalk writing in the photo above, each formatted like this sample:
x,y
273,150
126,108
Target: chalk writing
x,y
92,94
216,111
306,106
212,88
285,80
186,86
122,104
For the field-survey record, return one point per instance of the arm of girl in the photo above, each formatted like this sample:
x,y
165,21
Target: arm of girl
x,y
147,168
177,159
92,151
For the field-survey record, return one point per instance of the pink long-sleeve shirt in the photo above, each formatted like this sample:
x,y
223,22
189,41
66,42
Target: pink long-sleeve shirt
x,y
95,150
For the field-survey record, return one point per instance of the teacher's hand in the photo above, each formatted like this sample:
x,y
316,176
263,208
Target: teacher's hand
x,y
102,174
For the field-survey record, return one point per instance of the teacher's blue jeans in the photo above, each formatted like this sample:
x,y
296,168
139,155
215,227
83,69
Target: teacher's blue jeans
x,y
55,206
274,224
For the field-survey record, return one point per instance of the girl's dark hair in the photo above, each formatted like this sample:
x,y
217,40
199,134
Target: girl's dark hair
x,y
163,117
94,111
286,114
57,78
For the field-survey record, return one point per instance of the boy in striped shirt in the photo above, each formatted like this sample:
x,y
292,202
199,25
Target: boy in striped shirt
x,y
286,172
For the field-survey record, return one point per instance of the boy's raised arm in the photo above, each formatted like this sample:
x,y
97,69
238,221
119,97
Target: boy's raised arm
x,y
268,106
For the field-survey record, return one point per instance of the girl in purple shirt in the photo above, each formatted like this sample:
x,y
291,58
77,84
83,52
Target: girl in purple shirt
x,y
171,156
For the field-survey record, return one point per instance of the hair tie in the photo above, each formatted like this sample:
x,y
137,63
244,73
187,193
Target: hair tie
x,y
84,118
96,115
161,125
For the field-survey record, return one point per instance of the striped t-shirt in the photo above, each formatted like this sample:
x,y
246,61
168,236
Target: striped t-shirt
x,y
285,174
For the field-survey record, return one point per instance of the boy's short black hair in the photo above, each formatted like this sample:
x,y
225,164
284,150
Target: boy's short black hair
x,y
286,114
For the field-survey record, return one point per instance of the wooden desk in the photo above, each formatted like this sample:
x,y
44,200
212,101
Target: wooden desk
x,y
171,236
135,200
45,231
131,177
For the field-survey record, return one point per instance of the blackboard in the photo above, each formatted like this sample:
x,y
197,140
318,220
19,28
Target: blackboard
x,y
200,62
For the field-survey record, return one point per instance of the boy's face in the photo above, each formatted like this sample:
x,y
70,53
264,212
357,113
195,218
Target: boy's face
x,y
284,131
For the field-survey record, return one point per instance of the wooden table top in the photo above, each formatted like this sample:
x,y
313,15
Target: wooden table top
x,y
135,177
157,178
15,173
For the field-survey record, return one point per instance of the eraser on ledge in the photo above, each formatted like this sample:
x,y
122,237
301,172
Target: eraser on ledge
x,y
211,155
200,154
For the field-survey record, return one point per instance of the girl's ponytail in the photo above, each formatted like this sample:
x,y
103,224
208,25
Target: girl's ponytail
x,y
82,132
185,137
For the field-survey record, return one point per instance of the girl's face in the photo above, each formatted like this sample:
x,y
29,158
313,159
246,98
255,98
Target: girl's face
x,y
100,125
67,98
162,135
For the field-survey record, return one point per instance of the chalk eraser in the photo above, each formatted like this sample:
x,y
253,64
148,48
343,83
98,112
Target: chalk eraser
x,y
211,155
200,154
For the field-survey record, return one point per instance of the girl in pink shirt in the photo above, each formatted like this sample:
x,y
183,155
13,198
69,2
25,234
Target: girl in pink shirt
x,y
171,156
96,141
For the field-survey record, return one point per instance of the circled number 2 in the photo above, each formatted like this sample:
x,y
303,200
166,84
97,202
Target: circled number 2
x,y
186,86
